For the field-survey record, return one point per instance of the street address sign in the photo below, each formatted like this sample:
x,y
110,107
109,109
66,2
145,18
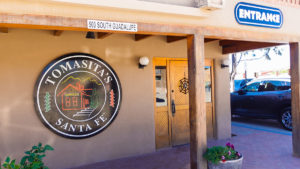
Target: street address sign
x,y
258,15
112,26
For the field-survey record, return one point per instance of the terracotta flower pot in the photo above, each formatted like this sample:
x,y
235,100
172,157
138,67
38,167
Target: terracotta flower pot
x,y
230,164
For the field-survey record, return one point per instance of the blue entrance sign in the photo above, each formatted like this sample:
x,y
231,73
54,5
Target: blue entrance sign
x,y
257,15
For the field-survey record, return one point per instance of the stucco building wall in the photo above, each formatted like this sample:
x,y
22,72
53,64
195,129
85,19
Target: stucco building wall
x,y
222,119
24,53
151,12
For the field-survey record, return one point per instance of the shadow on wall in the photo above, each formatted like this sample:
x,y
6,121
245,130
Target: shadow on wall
x,y
12,124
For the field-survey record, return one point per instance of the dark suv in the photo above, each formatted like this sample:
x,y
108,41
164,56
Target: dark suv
x,y
264,98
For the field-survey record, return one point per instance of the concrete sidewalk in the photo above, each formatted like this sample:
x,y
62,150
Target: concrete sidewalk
x,y
261,148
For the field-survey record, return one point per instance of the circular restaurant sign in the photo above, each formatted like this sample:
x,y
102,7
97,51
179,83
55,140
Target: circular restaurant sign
x,y
77,95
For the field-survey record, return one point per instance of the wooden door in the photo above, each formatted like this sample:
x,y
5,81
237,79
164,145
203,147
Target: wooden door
x,y
209,97
180,129
162,117
172,101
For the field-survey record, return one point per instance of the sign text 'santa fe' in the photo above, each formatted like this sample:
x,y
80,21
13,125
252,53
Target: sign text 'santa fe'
x,y
77,95
257,15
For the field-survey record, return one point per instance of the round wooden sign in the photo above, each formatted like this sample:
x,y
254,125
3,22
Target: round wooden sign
x,y
77,95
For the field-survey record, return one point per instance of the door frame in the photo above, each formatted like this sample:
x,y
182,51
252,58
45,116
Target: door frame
x,y
160,61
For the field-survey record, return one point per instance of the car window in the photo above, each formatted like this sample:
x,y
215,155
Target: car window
x,y
269,86
274,85
238,84
253,87
243,83
280,85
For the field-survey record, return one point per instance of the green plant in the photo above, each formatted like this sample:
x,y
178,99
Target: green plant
x,y
217,154
10,164
32,160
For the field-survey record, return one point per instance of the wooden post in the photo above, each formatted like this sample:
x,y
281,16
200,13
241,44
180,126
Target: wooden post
x,y
3,30
295,79
198,137
57,32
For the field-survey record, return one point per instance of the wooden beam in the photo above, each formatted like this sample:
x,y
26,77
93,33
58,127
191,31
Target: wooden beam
x,y
47,22
230,42
57,32
198,134
139,37
295,86
206,40
3,30
171,39
102,35
244,46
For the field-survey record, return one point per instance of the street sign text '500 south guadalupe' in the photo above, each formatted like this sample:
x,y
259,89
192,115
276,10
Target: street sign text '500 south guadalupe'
x,y
77,95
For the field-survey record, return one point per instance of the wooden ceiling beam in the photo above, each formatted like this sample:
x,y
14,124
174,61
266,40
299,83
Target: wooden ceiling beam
x,y
102,35
209,40
138,37
57,32
244,46
230,42
3,30
171,39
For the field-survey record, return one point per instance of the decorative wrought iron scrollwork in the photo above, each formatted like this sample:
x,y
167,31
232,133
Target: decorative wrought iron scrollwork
x,y
184,85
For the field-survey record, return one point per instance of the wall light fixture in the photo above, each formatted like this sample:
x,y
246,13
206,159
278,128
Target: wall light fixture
x,y
143,61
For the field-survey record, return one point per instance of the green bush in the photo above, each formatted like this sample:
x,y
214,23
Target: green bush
x,y
217,154
32,160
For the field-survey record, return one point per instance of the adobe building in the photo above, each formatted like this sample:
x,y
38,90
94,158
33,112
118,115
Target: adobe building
x,y
72,73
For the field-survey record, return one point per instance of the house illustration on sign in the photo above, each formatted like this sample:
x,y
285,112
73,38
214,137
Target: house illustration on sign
x,y
74,97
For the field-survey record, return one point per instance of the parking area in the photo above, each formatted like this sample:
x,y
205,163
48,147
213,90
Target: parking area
x,y
267,125
263,143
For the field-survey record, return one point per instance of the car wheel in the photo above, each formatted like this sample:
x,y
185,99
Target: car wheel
x,y
286,118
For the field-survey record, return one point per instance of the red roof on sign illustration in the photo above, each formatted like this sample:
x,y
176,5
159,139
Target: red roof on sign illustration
x,y
80,88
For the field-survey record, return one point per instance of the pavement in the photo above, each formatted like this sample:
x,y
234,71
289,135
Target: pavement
x,y
263,143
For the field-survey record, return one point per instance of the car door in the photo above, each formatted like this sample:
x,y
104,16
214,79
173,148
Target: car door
x,y
242,101
268,102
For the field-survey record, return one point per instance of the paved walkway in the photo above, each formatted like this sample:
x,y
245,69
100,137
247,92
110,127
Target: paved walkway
x,y
262,147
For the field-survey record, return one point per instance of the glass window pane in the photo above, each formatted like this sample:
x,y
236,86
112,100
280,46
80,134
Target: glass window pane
x,y
208,84
253,87
269,87
161,86
281,85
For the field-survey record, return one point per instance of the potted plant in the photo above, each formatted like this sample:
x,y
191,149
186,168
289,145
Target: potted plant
x,y
220,157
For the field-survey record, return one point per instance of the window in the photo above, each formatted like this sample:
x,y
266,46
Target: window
x,y
68,102
208,84
161,86
253,87
277,85
75,102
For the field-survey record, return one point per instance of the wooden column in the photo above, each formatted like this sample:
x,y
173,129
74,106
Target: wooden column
x,y
295,79
198,140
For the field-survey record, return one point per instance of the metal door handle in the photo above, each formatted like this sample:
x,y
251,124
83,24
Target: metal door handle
x,y
173,108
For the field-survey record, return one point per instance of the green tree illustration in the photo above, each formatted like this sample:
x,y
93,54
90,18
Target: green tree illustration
x,y
47,102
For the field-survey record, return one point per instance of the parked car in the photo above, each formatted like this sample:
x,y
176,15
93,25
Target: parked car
x,y
238,84
264,98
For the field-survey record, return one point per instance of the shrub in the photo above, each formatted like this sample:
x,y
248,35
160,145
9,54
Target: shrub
x,y
217,154
32,160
